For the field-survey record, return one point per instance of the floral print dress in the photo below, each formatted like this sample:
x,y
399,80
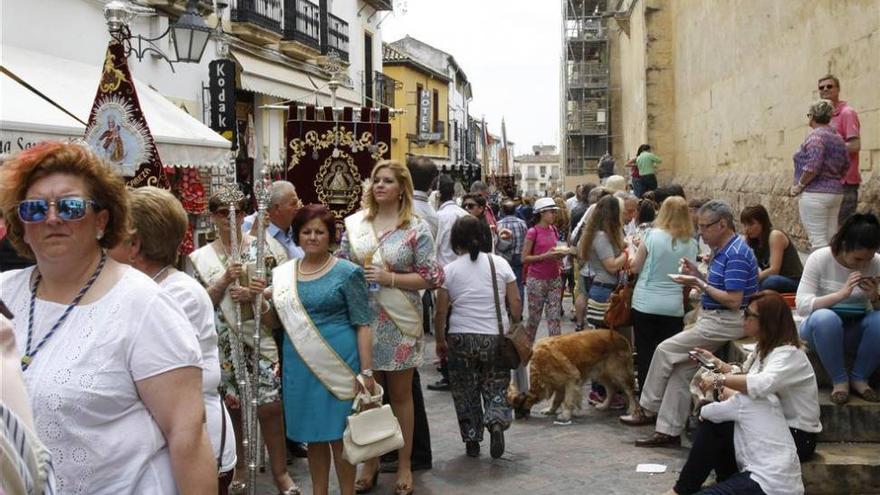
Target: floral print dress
x,y
405,250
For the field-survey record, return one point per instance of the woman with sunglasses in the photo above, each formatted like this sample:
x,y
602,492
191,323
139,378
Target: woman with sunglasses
x,y
777,368
215,271
108,358
159,224
543,255
819,166
396,249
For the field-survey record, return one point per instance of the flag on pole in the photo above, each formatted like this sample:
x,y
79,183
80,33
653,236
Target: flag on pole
x,y
505,157
485,139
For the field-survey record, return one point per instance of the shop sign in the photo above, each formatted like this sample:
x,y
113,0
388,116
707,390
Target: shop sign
x,y
221,86
425,131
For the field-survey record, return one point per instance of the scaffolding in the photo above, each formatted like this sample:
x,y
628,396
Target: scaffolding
x,y
585,85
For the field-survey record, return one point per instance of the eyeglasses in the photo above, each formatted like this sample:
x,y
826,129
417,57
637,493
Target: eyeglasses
x,y
470,206
68,209
704,226
827,86
748,313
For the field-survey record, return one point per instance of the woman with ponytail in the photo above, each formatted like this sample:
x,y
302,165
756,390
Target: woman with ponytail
x,y
479,385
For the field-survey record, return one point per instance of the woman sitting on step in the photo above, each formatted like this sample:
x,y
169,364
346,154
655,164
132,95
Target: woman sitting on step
x,y
778,367
839,297
778,258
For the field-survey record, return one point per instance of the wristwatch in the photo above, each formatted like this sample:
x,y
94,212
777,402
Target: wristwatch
x,y
367,373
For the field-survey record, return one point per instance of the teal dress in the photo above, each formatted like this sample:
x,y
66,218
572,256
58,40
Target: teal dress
x,y
337,303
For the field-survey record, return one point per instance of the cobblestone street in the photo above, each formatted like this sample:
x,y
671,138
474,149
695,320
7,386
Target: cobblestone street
x,y
594,455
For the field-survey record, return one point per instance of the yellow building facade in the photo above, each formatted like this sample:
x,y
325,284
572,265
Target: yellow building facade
x,y
424,95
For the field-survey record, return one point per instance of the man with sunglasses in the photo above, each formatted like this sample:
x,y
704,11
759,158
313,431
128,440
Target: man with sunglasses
x,y
732,278
845,121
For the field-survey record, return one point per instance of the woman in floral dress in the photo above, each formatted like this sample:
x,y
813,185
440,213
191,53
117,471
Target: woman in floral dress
x,y
397,252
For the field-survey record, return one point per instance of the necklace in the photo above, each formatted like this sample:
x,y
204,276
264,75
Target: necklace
x,y
160,272
225,253
28,353
319,270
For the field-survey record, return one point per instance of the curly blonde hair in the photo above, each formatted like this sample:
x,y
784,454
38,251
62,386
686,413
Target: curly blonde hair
x,y
404,180
56,157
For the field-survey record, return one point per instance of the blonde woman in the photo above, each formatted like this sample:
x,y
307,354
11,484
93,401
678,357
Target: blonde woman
x,y
396,250
658,305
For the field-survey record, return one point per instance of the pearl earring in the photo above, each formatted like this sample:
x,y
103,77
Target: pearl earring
x,y
100,235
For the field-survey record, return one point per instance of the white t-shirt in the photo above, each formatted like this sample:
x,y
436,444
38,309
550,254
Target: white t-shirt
x,y
82,382
762,441
196,304
469,284
823,275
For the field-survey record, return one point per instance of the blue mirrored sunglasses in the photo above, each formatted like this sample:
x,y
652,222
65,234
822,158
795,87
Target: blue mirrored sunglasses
x,y
68,209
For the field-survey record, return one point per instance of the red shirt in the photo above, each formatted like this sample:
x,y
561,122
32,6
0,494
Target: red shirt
x,y
846,122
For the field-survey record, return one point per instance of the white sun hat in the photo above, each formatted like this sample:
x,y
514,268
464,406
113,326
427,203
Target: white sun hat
x,y
545,204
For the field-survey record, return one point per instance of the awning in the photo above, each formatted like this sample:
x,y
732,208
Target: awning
x,y
181,139
274,79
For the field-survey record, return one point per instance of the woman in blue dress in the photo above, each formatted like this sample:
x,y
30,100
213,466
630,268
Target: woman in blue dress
x,y
322,303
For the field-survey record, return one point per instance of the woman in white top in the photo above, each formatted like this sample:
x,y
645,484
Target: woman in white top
x,y
472,343
838,295
159,224
779,367
111,364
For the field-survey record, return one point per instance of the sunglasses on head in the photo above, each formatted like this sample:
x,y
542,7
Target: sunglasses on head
x,y
67,209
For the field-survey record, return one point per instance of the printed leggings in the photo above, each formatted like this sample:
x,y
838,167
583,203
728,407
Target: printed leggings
x,y
544,296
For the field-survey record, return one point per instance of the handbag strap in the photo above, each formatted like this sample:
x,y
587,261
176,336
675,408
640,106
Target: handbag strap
x,y
364,397
495,293
222,434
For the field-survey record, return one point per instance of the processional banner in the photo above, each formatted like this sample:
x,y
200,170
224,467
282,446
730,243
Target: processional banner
x,y
117,130
328,159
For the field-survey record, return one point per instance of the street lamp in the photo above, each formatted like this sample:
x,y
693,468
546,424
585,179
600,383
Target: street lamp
x,y
189,34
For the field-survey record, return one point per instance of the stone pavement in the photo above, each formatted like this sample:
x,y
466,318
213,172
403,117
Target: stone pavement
x,y
594,455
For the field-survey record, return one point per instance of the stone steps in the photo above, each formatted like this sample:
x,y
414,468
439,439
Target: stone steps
x,y
856,421
837,468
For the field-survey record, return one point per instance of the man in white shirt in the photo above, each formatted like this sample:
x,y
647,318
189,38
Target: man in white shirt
x,y
423,172
283,205
448,213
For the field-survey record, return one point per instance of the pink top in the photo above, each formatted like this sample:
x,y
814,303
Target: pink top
x,y
543,240
846,122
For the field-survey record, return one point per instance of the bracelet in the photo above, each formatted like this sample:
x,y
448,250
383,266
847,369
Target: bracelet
x,y
393,282
718,381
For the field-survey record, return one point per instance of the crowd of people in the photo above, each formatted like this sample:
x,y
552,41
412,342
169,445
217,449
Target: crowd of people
x,y
127,369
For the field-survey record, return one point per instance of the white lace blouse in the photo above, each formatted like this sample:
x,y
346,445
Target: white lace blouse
x,y
82,382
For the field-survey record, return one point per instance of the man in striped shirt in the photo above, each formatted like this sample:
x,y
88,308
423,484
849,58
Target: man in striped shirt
x,y
731,280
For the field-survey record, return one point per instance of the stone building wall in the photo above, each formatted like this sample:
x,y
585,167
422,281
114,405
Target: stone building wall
x,y
728,84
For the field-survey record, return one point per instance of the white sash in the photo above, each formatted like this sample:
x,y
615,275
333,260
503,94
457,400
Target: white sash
x,y
396,304
208,266
321,359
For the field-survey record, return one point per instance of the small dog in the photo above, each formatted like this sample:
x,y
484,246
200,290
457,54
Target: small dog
x,y
560,365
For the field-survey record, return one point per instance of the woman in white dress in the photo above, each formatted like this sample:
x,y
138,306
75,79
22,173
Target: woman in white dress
x,y
111,364
159,224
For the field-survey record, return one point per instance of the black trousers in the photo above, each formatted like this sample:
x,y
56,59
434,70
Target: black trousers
x,y
713,451
649,331
421,452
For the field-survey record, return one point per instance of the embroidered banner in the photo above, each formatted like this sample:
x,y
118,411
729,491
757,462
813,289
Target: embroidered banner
x,y
117,130
328,160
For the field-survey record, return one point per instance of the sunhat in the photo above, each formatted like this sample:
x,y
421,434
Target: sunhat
x,y
545,204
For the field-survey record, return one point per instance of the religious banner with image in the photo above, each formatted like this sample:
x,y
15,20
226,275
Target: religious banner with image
x,y
328,160
117,130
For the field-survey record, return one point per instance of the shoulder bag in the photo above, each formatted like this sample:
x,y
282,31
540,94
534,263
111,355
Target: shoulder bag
x,y
619,312
372,432
515,348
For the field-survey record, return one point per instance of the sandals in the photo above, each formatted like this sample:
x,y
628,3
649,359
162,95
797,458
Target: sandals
x,y
840,397
293,490
869,394
366,486
237,488
402,489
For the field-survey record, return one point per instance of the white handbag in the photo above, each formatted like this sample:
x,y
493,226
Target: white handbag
x,y
370,433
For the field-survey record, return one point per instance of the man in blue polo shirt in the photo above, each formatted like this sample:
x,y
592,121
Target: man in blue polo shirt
x,y
732,278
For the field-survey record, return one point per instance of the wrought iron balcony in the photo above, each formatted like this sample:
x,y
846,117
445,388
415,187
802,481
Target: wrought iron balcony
x,y
380,4
302,23
265,14
337,36
384,87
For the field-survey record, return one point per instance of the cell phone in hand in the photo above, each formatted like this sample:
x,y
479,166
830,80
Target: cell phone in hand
x,y
706,363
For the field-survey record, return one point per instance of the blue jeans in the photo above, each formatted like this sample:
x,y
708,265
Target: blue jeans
x,y
780,284
738,484
830,336
520,283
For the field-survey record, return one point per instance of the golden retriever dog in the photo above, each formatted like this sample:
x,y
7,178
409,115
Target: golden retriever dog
x,y
560,365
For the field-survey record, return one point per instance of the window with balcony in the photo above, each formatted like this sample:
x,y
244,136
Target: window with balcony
x,y
263,13
337,36
542,170
385,87
302,22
